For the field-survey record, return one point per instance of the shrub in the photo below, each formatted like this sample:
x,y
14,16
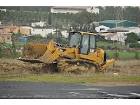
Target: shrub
x,y
134,45
116,55
136,55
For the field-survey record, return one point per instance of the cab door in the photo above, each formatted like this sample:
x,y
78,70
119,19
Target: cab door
x,y
84,47
88,44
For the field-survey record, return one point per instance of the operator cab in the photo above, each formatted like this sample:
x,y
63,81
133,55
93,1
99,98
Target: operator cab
x,y
86,42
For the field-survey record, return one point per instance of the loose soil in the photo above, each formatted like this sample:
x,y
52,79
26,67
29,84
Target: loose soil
x,y
13,66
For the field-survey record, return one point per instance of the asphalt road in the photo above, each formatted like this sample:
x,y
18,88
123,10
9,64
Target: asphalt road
x,y
66,91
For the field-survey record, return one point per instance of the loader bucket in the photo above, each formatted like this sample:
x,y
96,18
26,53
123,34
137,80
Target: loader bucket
x,y
50,57
40,53
52,53
29,60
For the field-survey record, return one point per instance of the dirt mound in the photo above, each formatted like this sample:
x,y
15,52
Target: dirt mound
x,y
12,66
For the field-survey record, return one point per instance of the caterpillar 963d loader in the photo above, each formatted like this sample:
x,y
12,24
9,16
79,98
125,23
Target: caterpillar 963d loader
x,y
80,55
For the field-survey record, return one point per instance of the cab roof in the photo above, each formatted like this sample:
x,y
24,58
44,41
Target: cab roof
x,y
89,33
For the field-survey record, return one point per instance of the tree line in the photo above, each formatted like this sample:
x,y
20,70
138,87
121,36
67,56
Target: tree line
x,y
26,15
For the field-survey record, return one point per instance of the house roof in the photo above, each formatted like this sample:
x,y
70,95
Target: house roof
x,y
118,29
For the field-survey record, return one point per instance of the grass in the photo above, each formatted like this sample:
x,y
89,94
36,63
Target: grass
x,y
106,44
124,54
72,78
128,73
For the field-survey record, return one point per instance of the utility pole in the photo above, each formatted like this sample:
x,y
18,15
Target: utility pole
x,y
50,17
13,43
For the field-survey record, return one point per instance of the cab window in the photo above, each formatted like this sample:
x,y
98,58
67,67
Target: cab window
x,y
75,40
85,44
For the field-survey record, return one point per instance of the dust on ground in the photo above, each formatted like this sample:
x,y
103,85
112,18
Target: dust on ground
x,y
13,66
128,67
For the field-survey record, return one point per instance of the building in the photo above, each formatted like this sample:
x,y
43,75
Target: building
x,y
3,10
6,32
118,23
23,39
135,30
118,36
38,24
102,28
41,31
65,33
10,29
25,30
5,37
74,9
93,10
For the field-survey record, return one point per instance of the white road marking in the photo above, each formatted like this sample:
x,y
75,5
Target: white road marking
x,y
117,95
113,95
102,92
84,89
88,89
74,93
136,94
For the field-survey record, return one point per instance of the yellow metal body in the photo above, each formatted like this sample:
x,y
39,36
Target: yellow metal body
x,y
49,53
34,50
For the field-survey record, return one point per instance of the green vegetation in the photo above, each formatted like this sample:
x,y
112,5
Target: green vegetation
x,y
124,54
26,15
58,38
36,38
132,38
71,78
134,45
113,50
108,44
6,50
23,17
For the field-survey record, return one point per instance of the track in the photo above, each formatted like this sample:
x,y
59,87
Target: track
x,y
77,66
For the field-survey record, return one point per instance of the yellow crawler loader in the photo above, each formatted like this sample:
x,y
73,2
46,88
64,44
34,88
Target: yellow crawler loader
x,y
81,55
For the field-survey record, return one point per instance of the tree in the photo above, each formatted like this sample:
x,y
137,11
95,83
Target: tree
x,y
107,13
132,13
84,17
36,38
49,18
132,38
